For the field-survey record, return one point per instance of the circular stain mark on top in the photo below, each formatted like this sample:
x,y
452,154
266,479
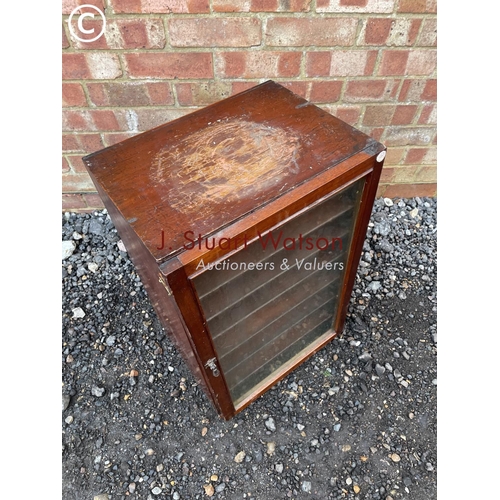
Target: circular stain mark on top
x,y
224,162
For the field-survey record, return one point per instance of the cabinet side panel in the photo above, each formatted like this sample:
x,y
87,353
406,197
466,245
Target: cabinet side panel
x,y
163,303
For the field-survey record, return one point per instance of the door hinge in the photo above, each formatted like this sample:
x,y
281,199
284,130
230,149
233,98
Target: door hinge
x,y
161,279
211,364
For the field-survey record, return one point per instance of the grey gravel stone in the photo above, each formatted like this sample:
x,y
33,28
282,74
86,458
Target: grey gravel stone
x,y
78,312
374,286
98,391
324,412
65,401
68,247
96,227
270,424
306,486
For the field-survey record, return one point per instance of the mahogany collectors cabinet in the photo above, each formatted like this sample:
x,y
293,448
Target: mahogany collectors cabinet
x,y
245,221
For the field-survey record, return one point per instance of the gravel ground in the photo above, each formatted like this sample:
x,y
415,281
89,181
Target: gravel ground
x,y
357,420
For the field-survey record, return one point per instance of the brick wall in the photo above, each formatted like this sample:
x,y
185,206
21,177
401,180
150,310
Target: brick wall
x,y
372,63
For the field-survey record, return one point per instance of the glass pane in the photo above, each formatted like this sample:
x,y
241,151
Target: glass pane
x,y
270,301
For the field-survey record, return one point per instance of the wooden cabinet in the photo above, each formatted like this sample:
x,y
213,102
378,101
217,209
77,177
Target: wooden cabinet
x,y
245,221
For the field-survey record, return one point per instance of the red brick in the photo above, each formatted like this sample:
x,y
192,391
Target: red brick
x,y
264,5
295,6
148,118
295,32
428,115
411,90
93,200
415,6
70,143
125,34
65,42
97,94
238,87
428,35
126,6
299,88
76,164
403,136
421,62
325,91
85,143
427,174
202,94
414,29
258,64
405,174
352,62
387,175
289,64
410,190
73,95
103,65
349,115
395,88
142,33
414,156
430,157
73,202
376,133
381,190
77,120
353,3
357,6
118,94
92,65
394,156
76,183
74,67
377,30
160,93
111,139
69,5
105,120
127,94
393,62
96,25
160,6
378,115
404,32
184,93
231,6
432,6
261,6
318,63
215,32
404,114
366,89
169,65
65,165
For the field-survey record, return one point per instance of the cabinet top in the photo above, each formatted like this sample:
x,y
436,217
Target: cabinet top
x,y
201,172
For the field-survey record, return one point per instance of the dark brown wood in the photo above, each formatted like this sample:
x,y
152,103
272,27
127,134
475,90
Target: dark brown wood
x,y
366,205
234,171
231,157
